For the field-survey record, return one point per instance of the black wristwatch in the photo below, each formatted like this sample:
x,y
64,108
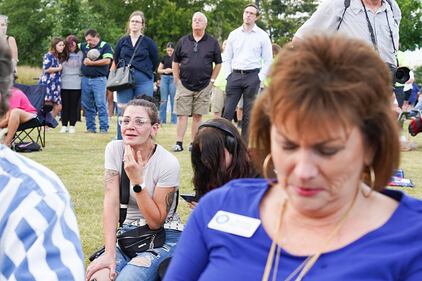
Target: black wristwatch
x,y
138,187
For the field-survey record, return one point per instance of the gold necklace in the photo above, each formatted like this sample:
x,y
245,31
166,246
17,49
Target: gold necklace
x,y
307,264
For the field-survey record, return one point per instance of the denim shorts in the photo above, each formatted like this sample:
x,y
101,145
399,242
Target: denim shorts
x,y
144,267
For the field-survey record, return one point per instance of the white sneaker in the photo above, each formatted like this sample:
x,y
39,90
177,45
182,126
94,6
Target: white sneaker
x,y
64,129
72,129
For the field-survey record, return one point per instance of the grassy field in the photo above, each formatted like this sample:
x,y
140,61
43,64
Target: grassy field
x,y
79,159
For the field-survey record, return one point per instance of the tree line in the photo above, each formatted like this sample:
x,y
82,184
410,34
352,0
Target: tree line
x,y
34,22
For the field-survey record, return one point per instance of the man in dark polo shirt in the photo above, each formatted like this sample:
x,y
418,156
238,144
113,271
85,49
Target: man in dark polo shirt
x,y
194,75
94,77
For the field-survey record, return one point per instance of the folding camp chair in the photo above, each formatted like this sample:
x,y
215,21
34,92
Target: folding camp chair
x,y
44,118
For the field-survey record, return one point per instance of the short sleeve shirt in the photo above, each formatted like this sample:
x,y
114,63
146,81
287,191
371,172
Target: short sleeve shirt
x,y
327,18
106,52
19,100
167,63
196,60
161,170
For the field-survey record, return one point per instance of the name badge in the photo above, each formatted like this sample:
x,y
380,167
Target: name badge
x,y
234,224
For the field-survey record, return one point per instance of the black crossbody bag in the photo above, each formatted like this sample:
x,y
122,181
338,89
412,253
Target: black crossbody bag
x,y
141,238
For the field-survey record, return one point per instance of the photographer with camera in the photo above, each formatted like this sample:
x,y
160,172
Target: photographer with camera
x,y
374,21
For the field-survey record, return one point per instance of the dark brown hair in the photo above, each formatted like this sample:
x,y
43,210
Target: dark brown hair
x,y
258,13
91,32
72,39
323,82
208,157
63,55
147,103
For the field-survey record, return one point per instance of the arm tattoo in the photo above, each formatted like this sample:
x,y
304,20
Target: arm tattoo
x,y
109,175
169,200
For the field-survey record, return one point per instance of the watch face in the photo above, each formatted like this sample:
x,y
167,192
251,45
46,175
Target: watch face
x,y
137,188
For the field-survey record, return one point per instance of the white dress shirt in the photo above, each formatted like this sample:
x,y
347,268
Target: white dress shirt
x,y
248,50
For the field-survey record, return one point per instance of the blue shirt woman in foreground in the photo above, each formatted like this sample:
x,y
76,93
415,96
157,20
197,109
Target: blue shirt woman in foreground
x,y
332,143
144,63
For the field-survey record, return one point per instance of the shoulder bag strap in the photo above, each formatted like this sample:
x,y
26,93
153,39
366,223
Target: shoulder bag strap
x,y
124,195
136,48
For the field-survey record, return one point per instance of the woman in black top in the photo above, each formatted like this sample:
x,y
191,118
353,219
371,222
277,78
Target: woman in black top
x,y
167,87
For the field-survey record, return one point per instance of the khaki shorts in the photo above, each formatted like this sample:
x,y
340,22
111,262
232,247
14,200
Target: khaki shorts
x,y
187,102
217,100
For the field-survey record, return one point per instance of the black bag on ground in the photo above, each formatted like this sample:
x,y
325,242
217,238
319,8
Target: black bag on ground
x,y
141,239
27,147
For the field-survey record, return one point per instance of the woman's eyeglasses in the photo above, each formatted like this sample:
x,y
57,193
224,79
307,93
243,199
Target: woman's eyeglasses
x,y
137,122
195,47
136,21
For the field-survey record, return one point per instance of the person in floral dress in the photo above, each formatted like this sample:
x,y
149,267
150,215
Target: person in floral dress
x,y
51,77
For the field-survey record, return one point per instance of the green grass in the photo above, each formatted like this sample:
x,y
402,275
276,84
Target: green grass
x,y
28,74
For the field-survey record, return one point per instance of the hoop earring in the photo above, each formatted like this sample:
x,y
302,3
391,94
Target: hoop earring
x,y
372,183
267,160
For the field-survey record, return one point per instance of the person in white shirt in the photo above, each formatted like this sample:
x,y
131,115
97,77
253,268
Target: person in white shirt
x,y
39,235
246,61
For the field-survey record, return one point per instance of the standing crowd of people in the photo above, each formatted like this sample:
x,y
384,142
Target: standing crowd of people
x,y
303,193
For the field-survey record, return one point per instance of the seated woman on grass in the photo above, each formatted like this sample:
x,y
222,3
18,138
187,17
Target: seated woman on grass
x,y
20,111
153,173
218,156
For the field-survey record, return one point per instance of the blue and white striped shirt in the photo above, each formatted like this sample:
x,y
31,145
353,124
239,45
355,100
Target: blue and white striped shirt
x,y
39,236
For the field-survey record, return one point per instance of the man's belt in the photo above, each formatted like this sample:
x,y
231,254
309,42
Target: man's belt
x,y
246,71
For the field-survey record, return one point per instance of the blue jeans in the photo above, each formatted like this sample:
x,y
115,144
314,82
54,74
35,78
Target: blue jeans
x,y
143,86
93,100
167,89
128,270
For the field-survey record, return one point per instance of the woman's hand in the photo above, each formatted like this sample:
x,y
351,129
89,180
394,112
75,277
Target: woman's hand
x,y
102,262
134,168
192,204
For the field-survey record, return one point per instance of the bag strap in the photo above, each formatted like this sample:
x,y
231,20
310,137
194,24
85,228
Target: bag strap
x,y
124,195
347,5
136,48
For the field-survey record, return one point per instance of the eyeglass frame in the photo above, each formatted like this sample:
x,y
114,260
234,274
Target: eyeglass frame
x,y
136,21
136,120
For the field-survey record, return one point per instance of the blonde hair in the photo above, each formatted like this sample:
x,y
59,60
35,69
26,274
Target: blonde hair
x,y
136,13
